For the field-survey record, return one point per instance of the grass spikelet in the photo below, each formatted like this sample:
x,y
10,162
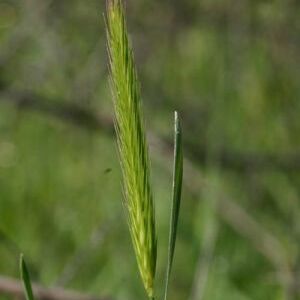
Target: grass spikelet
x,y
132,145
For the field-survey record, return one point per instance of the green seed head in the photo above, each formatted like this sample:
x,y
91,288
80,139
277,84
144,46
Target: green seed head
x,y
132,146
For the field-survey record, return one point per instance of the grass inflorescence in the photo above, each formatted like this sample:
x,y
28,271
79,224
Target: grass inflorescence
x,y
133,153
132,146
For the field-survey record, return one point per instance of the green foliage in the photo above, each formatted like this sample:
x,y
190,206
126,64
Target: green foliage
x,y
26,279
176,197
233,73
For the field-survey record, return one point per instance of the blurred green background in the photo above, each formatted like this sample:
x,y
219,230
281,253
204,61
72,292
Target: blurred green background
x,y
232,70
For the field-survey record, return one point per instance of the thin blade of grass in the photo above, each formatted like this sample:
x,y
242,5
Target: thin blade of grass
x,y
176,197
26,279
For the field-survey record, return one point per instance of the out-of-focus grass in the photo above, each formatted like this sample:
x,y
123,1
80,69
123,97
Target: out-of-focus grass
x,y
231,70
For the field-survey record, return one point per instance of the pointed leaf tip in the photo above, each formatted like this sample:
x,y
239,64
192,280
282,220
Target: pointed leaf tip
x,y
176,196
25,279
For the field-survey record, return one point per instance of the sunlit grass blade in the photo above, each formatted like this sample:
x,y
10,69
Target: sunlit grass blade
x,y
26,279
176,197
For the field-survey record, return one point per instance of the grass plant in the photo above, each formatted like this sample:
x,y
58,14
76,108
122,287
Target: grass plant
x,y
134,158
133,152
132,146
26,279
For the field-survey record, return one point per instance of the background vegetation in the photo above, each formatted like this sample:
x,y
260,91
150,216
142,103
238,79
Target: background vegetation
x,y
231,68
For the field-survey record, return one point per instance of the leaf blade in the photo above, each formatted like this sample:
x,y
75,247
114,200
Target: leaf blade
x,y
26,279
176,197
